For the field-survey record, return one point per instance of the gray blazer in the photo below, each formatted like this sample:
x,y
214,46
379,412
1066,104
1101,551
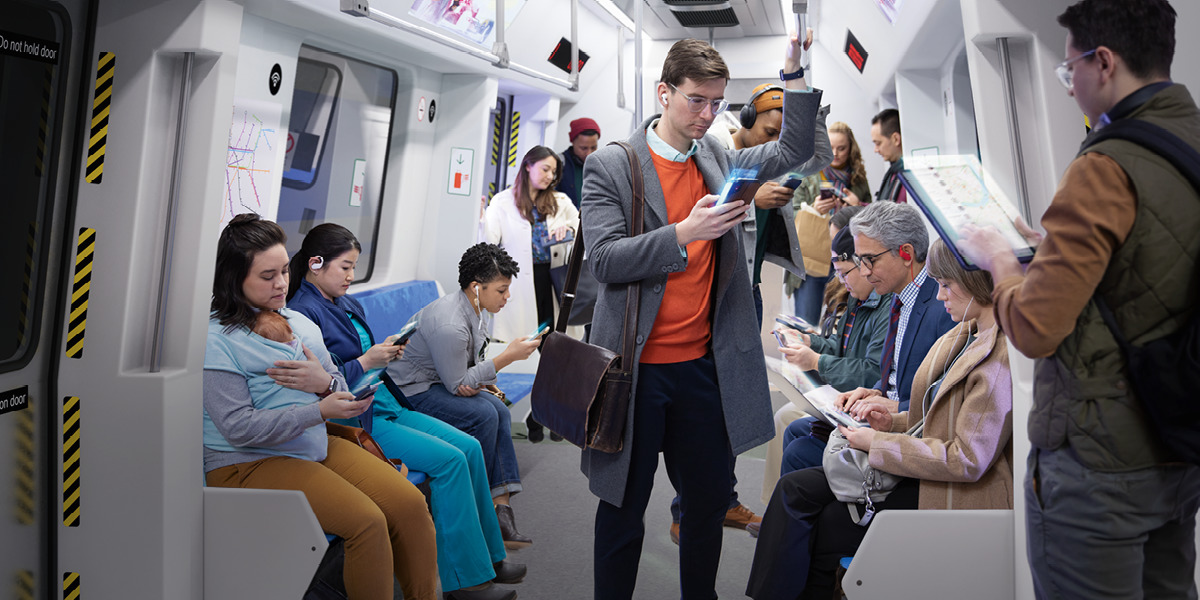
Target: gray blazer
x,y
618,260
783,246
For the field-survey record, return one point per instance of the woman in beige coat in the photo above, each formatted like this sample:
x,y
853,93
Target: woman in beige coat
x,y
962,459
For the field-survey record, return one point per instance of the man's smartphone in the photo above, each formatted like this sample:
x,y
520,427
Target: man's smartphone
x,y
405,332
738,189
365,392
795,323
779,338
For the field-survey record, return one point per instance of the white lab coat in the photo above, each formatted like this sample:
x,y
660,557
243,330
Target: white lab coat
x,y
504,225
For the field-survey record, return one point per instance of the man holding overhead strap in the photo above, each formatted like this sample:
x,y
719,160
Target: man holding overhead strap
x,y
700,386
1110,512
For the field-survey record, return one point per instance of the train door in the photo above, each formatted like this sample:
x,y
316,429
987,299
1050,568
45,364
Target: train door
x,y
42,57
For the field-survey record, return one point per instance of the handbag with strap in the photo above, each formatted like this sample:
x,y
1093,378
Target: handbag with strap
x,y
812,232
853,480
364,440
581,391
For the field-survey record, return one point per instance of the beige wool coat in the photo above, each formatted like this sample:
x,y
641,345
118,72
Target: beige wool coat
x,y
964,457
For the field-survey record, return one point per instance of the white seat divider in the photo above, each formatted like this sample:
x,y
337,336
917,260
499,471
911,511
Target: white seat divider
x,y
261,544
934,554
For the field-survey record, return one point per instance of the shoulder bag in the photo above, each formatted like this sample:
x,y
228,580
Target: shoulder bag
x,y
581,391
364,440
853,480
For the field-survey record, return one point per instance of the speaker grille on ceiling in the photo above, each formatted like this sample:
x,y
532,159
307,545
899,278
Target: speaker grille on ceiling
x,y
707,18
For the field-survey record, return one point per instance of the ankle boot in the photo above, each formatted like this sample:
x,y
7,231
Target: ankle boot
x,y
513,540
508,572
536,432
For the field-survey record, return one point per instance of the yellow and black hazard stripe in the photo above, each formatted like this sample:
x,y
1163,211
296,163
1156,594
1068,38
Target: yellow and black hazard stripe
x,y
25,585
25,467
71,586
70,445
39,160
26,285
491,190
497,137
512,138
84,250
106,66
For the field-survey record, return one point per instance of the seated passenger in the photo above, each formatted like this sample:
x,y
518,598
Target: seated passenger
x,y
445,368
847,360
470,547
265,405
961,460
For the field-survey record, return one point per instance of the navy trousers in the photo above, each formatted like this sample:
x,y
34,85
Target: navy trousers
x,y
677,411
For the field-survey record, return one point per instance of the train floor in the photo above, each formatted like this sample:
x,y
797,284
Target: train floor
x,y
558,512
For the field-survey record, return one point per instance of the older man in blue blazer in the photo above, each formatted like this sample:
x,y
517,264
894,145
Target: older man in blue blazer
x,y
700,385
891,244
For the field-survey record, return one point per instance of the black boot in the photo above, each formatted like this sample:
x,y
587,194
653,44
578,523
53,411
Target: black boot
x,y
508,572
513,540
535,429
554,437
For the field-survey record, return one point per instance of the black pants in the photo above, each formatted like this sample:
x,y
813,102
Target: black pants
x,y
677,411
805,532
543,293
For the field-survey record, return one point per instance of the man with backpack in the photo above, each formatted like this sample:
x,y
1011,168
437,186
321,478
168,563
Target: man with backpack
x,y
1110,508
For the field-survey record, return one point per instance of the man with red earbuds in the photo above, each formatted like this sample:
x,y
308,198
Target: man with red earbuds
x,y
890,244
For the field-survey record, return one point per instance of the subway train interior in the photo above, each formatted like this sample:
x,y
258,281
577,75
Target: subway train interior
x,y
134,130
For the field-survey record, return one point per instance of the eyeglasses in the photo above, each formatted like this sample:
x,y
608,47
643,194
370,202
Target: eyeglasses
x,y
1066,73
868,259
698,103
842,276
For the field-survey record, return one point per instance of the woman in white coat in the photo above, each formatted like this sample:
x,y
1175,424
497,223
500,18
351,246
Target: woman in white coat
x,y
526,220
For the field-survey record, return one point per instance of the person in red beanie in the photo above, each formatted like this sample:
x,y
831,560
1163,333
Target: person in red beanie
x,y
585,138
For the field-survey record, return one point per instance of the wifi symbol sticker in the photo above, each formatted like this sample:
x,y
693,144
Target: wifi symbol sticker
x,y
276,79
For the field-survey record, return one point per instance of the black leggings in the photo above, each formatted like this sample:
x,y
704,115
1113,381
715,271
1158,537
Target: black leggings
x,y
543,293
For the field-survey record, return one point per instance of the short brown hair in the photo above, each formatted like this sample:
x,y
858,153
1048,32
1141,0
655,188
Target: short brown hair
x,y
943,265
695,60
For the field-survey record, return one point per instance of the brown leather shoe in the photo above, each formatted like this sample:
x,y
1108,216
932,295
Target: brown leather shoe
x,y
513,540
675,533
740,516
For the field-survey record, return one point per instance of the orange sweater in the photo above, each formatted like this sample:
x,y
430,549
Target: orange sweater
x,y
683,327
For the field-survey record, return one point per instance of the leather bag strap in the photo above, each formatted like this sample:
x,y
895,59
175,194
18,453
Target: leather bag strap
x,y
634,289
568,293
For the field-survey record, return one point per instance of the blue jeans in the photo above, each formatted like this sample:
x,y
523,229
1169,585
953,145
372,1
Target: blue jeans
x,y
678,412
468,535
800,449
1099,535
809,299
484,417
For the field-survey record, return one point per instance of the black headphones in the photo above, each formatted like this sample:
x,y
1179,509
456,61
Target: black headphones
x,y
749,114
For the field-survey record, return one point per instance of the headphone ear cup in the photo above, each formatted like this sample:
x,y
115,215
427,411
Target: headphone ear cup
x,y
748,115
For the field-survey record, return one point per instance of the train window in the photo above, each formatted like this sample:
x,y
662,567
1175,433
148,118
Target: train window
x,y
339,134
33,61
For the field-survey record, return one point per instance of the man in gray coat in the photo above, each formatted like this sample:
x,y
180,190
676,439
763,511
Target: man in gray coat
x,y
700,386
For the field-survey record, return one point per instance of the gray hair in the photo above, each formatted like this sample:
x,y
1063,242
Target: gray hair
x,y
893,225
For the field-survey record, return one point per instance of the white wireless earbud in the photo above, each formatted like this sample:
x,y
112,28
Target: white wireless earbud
x,y
664,99
317,265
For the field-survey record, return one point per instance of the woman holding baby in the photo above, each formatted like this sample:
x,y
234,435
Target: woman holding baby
x,y
265,405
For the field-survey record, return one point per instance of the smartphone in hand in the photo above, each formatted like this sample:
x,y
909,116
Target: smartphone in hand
x,y
780,338
792,182
405,332
540,331
366,392
738,189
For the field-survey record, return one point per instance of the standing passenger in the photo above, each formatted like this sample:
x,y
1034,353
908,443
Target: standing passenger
x,y
268,434
1110,512
885,134
695,400
585,138
470,547
526,219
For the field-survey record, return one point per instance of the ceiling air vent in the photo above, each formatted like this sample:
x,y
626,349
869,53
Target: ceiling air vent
x,y
706,18
693,2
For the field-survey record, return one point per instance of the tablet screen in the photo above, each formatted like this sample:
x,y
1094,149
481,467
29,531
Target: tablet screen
x,y
954,191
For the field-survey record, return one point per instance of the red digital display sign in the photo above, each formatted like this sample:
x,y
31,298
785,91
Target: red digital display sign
x,y
857,54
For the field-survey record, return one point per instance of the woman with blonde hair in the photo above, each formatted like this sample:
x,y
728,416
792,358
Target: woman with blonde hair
x,y
842,183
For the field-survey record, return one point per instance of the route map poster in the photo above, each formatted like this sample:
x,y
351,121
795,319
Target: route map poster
x,y
251,158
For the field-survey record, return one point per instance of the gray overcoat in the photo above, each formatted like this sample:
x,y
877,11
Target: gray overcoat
x,y
618,260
